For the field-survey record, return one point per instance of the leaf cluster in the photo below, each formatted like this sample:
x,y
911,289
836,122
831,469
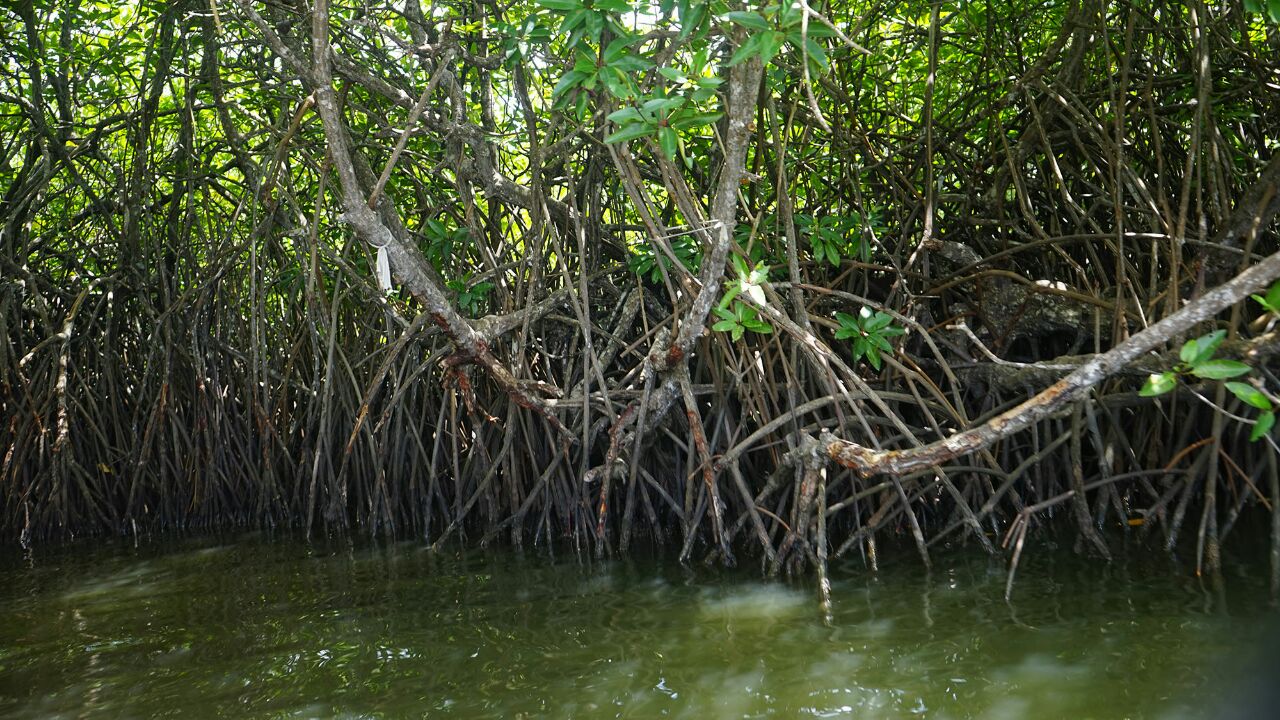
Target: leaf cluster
x,y
778,26
737,317
1197,359
870,332
1270,7
645,261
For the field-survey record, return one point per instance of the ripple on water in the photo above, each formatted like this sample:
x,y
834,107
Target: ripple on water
x,y
875,629
755,603
727,695
283,629
135,581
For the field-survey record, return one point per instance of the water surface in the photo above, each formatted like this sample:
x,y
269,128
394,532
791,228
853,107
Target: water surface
x,y
274,627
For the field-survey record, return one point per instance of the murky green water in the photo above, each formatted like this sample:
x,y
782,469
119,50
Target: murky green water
x,y
251,627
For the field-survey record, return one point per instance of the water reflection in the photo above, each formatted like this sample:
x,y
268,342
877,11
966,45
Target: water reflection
x,y
278,628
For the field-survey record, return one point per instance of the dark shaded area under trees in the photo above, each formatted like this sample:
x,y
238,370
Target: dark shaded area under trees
x,y
754,282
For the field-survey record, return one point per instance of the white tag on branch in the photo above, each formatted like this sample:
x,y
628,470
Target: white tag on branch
x,y
384,270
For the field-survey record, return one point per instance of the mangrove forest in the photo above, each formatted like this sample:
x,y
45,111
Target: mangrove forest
x,y
771,285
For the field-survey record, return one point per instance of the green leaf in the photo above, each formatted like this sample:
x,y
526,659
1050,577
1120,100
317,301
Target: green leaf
x,y
750,48
585,60
562,5
1219,369
702,94
770,45
595,25
625,115
1189,350
1209,345
878,321
1202,348
751,20
1158,384
693,21
569,26
1272,300
689,120
818,30
1249,395
631,132
669,142
631,64
571,79
673,75
873,356
729,295
1265,422
725,325
655,105
617,49
736,333
860,347
817,54
619,84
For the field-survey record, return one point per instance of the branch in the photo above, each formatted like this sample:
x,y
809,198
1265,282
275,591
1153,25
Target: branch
x,y
900,462
407,261
744,86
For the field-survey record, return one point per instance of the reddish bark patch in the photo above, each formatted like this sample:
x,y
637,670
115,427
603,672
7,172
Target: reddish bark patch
x,y
440,322
674,356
